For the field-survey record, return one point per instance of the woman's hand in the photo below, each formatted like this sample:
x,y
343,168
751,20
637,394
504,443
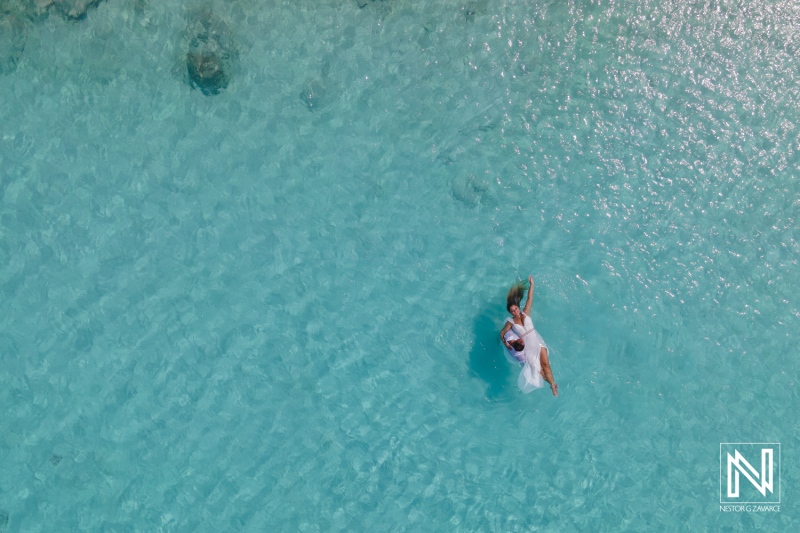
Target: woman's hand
x,y
530,280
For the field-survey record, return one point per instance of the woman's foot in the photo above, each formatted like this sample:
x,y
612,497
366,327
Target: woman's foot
x,y
554,388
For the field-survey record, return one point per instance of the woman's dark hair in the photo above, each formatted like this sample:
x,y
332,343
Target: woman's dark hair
x,y
515,295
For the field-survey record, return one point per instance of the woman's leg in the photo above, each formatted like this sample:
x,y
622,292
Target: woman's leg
x,y
547,374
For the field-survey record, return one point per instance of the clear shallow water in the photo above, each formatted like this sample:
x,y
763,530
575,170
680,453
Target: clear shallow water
x,y
265,310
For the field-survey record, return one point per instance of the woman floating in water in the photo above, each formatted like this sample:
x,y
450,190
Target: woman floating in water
x,y
524,343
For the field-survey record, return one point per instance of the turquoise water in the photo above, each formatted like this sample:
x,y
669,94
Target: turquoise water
x,y
276,308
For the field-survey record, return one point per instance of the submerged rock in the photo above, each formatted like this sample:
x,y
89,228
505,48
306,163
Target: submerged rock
x,y
208,61
13,35
38,10
69,9
206,73
17,16
364,3
74,9
470,191
313,94
473,9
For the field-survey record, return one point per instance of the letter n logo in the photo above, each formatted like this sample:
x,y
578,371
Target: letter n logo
x,y
743,479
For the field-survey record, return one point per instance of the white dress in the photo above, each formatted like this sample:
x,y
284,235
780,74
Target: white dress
x,y
530,378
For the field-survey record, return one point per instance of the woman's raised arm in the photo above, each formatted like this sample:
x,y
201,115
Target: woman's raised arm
x,y
529,300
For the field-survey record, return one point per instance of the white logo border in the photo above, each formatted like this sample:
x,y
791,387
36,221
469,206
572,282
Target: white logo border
x,y
721,444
